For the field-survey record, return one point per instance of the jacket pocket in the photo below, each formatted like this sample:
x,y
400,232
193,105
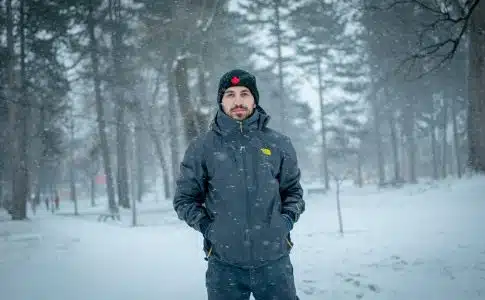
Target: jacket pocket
x,y
287,238
229,243
270,243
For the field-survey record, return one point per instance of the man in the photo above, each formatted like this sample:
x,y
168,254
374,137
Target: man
x,y
239,186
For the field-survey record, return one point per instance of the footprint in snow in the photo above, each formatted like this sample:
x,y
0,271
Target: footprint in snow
x,y
311,290
308,281
351,278
309,287
308,290
398,263
374,288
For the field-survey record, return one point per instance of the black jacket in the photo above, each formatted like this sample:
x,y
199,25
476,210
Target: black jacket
x,y
239,185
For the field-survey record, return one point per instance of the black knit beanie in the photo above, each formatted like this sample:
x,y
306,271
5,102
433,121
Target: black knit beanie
x,y
238,77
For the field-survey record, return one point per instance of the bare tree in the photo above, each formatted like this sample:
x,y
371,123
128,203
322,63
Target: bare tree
x,y
21,186
72,174
11,93
456,143
339,176
100,114
476,87
118,84
189,24
448,24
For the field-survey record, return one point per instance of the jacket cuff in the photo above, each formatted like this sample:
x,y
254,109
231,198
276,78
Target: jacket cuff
x,y
292,215
288,221
204,225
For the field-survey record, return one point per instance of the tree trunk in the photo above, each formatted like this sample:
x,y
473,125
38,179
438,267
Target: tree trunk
x,y
72,179
41,167
444,141
476,88
158,148
133,172
434,155
395,151
174,132
186,108
202,116
120,107
456,141
121,155
163,162
100,118
12,96
140,162
359,167
404,156
377,137
339,209
93,191
21,192
323,132
2,193
166,183
282,94
409,131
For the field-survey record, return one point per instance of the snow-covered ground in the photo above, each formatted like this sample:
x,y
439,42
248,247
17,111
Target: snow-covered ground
x,y
423,241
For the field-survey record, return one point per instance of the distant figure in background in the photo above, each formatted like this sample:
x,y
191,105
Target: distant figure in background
x,y
240,187
56,201
33,204
46,201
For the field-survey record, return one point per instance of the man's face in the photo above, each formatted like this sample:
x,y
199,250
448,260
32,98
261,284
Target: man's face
x,y
238,102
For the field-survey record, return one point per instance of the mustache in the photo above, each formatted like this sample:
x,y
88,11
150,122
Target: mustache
x,y
240,107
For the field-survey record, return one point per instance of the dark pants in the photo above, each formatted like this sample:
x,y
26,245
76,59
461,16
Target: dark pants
x,y
272,281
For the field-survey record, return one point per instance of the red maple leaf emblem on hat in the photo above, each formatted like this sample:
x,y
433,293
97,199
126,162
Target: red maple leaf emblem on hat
x,y
235,80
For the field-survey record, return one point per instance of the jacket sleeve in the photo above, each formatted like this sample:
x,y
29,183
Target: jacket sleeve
x,y
190,189
290,189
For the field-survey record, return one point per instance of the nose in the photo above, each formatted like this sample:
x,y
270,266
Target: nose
x,y
238,100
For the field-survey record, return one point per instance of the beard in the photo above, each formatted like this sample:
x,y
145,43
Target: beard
x,y
240,112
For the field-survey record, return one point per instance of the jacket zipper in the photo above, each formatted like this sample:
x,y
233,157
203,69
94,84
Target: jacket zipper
x,y
242,151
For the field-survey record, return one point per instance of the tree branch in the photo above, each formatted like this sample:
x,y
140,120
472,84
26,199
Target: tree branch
x,y
442,51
